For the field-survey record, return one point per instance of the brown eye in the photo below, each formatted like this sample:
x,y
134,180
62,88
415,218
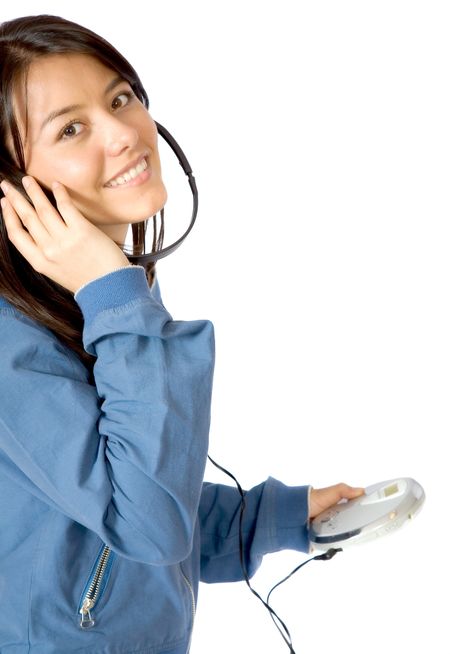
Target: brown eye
x,y
127,94
69,131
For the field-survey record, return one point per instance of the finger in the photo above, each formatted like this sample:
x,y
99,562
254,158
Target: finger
x,y
46,212
323,498
65,205
349,492
26,213
343,492
20,238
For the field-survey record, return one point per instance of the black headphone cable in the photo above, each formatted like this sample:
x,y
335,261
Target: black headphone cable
x,y
280,625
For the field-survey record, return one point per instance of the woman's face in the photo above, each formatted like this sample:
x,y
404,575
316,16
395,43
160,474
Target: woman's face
x,y
85,147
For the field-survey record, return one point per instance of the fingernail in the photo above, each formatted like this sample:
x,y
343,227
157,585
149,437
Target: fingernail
x,y
26,181
5,187
56,185
3,202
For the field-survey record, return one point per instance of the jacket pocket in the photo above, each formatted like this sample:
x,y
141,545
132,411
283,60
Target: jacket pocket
x,y
95,586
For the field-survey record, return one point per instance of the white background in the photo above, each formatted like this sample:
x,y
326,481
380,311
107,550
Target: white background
x,y
318,133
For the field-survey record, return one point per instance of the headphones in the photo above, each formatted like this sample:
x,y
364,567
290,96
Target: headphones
x,y
142,259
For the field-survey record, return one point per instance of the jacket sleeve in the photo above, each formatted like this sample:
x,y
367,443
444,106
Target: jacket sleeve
x,y
276,517
126,457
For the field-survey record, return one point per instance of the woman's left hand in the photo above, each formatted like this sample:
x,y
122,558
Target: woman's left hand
x,y
323,498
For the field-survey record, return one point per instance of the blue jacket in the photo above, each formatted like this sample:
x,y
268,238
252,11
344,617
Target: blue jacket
x,y
106,525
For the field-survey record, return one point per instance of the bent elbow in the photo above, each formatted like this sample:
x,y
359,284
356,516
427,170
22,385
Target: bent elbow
x,y
160,546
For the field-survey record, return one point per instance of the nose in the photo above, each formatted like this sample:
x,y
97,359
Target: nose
x,y
118,136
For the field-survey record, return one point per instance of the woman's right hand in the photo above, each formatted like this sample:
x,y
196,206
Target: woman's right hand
x,y
61,244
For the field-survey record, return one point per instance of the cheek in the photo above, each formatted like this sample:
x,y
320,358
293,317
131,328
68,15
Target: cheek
x,y
146,127
74,174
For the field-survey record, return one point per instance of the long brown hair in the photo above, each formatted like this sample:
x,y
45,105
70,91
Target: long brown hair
x,y
22,40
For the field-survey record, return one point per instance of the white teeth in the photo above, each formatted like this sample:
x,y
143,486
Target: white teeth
x,y
130,174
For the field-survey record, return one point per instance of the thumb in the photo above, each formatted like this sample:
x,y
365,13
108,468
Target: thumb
x,y
353,491
323,498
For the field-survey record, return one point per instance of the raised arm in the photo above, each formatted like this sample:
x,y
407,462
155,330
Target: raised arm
x,y
125,458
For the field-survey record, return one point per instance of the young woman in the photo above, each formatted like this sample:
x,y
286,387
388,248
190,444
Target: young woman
x,y
106,524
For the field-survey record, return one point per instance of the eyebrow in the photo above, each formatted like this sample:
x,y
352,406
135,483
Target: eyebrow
x,y
72,107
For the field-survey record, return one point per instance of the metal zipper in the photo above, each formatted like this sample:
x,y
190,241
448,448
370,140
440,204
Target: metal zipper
x,y
191,590
92,594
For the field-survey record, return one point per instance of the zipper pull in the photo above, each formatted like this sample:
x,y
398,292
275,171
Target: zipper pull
x,y
86,620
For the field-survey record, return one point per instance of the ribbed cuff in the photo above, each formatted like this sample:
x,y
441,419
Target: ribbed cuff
x,y
114,289
97,278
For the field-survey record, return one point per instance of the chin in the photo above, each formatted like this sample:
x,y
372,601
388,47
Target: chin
x,y
149,209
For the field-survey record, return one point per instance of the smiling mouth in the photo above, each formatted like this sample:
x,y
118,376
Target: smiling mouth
x,y
133,176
